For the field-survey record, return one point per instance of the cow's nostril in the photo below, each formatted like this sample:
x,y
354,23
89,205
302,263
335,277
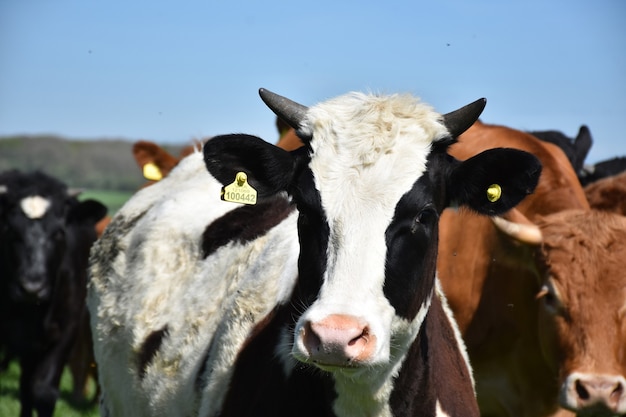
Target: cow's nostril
x,y
310,339
582,392
363,337
617,393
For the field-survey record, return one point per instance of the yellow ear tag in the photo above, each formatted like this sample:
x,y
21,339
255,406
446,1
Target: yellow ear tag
x,y
152,172
494,192
239,191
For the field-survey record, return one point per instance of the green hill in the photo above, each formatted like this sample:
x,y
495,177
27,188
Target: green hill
x,y
84,164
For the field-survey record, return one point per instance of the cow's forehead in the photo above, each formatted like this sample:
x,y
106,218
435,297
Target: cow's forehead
x,y
35,207
368,148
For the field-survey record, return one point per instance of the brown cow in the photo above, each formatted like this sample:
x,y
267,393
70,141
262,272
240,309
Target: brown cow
x,y
156,162
542,319
608,194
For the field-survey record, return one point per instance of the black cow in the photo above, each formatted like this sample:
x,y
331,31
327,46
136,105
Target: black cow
x,y
575,149
603,169
45,238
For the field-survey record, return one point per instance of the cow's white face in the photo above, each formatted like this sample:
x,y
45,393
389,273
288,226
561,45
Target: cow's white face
x,y
369,186
362,164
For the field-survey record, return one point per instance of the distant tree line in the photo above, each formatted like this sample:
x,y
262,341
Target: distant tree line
x,y
86,164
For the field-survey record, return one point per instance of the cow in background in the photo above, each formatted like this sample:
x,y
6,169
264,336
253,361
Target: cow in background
x,y
45,238
156,163
541,305
608,194
603,169
201,307
575,149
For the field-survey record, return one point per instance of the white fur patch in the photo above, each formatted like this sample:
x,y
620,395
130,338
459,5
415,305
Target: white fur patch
x,y
439,412
35,207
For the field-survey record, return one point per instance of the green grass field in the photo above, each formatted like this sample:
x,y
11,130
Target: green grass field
x,y
10,404
112,199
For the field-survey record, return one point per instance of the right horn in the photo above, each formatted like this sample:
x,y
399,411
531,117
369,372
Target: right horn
x,y
458,121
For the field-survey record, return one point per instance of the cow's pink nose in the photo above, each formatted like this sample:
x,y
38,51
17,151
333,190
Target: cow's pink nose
x,y
339,340
589,390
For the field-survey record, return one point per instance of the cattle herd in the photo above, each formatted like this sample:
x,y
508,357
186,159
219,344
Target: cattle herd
x,y
381,259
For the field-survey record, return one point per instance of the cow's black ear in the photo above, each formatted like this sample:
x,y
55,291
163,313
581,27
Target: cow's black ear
x,y
89,211
269,168
495,180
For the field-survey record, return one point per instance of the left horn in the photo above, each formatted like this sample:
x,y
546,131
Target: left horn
x,y
518,227
288,110
74,192
458,121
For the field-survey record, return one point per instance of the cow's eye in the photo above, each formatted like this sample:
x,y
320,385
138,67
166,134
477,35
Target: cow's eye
x,y
550,297
424,218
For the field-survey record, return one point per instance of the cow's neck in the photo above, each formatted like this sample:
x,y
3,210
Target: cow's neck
x,y
358,398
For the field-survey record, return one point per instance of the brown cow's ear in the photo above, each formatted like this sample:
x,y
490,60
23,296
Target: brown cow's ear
x,y
494,181
154,161
458,121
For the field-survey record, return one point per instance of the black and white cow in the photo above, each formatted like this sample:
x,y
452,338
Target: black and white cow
x,y
45,238
321,299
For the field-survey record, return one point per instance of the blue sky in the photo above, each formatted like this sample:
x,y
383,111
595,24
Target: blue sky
x,y
171,71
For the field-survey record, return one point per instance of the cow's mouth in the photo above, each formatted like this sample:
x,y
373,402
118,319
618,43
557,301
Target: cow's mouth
x,y
598,411
23,296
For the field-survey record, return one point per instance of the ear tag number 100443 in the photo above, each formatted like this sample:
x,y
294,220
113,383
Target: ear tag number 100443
x,y
239,191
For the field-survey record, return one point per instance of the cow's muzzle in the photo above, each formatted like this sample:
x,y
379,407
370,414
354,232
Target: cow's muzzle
x,y
337,341
594,394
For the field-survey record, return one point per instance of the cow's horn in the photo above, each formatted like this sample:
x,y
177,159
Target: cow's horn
x,y
290,111
74,192
458,121
522,232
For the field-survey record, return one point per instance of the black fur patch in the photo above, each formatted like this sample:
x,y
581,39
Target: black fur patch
x,y
245,223
149,348
259,386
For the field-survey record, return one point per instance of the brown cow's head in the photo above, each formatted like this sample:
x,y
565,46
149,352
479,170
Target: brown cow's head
x,y
582,308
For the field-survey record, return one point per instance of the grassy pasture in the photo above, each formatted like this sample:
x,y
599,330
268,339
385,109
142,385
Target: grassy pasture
x,y
10,404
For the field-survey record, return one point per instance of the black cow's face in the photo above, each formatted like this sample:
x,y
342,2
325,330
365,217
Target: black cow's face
x,y
33,246
40,223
